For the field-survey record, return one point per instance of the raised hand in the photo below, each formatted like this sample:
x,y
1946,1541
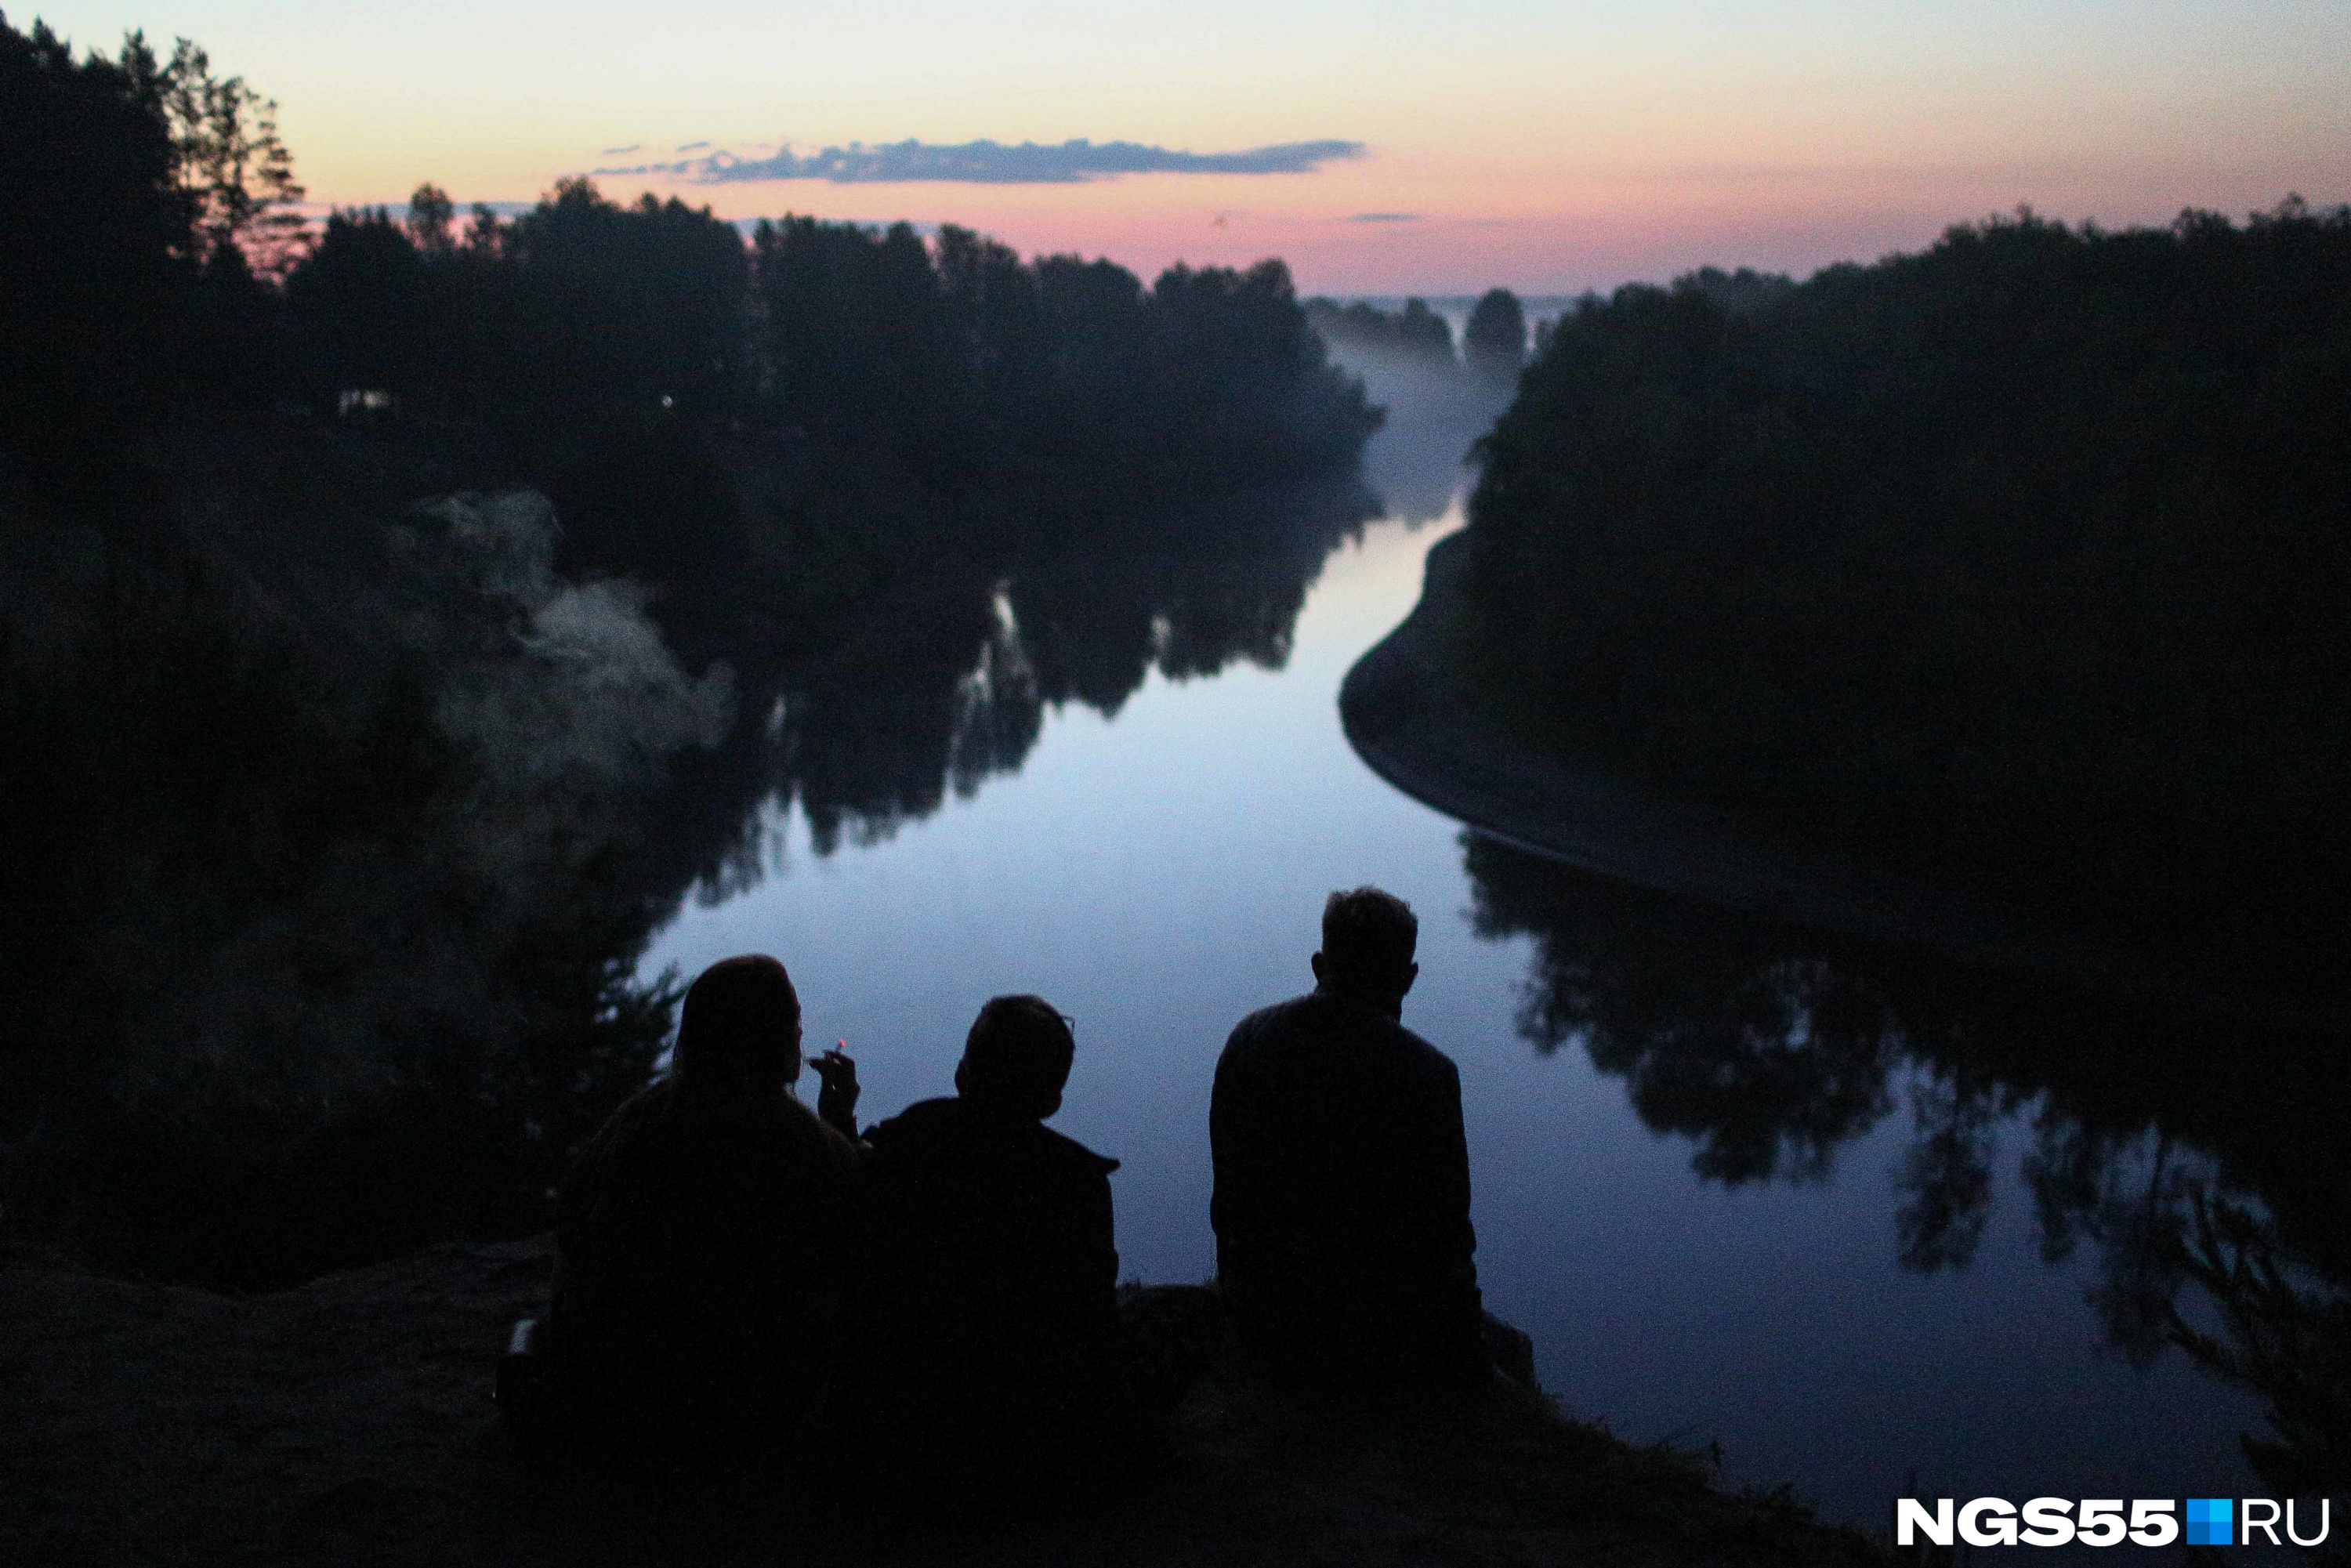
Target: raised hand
x,y
836,1101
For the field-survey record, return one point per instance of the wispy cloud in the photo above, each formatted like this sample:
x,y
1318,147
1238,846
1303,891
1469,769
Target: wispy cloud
x,y
993,163
1384,218
692,147
618,151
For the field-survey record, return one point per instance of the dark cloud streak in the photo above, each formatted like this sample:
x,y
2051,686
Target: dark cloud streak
x,y
994,163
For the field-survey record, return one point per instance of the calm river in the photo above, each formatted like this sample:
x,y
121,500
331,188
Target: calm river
x,y
1728,1213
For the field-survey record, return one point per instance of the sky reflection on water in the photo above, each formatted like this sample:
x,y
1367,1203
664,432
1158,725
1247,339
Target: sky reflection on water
x,y
1158,874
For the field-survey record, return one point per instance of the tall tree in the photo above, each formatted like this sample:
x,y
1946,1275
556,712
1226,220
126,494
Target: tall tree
x,y
360,303
92,240
431,219
1494,342
234,174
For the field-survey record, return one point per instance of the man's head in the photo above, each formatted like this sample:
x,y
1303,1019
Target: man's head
x,y
1367,943
739,1031
1016,1057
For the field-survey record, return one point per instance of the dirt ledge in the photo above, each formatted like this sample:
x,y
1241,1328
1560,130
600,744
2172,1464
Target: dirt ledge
x,y
348,1421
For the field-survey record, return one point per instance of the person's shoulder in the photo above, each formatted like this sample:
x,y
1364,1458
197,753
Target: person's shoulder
x,y
1074,1155
919,1122
804,1127
647,1105
1423,1054
951,1133
629,1123
1374,1036
1269,1023
757,1140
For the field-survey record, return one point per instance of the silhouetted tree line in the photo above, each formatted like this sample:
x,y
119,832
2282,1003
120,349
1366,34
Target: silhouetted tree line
x,y
319,924
137,195
1415,334
338,823
2021,561
579,300
968,364
1745,292
959,363
757,428
339,841
145,213
1493,340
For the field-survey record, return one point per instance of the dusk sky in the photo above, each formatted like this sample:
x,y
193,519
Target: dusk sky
x,y
1549,148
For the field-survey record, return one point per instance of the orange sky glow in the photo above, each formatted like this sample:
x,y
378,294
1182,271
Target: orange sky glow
x,y
1551,150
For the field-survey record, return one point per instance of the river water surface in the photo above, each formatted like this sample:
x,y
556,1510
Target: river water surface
x,y
1846,1252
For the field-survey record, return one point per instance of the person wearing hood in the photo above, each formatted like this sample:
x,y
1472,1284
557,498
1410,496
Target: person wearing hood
x,y
989,1362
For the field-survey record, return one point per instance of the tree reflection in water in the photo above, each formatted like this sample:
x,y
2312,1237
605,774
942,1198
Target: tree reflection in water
x,y
946,679
2201,1162
330,921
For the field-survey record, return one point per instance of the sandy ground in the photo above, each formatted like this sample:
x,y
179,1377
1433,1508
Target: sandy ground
x,y
349,1421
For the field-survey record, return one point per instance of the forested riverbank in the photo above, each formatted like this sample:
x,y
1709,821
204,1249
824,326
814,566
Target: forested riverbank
x,y
1954,645
1763,999
346,800
2015,565
1415,710
397,622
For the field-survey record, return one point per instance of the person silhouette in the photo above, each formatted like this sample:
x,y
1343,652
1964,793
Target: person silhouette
x,y
989,1364
698,1232
1340,1202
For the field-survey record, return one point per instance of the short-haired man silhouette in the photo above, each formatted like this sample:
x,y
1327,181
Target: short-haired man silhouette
x,y
1342,1197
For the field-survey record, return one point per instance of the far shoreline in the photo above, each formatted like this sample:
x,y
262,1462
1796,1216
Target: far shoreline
x,y
1412,715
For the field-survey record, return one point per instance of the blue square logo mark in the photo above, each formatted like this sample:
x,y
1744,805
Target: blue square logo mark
x,y
2209,1522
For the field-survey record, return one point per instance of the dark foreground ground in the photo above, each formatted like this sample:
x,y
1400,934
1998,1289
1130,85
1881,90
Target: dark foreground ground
x,y
348,1421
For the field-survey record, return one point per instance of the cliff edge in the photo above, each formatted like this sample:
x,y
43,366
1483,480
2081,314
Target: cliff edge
x,y
349,1421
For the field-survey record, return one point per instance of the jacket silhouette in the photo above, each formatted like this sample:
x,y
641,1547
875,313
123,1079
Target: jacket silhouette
x,y
1342,1197
700,1232
987,1314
